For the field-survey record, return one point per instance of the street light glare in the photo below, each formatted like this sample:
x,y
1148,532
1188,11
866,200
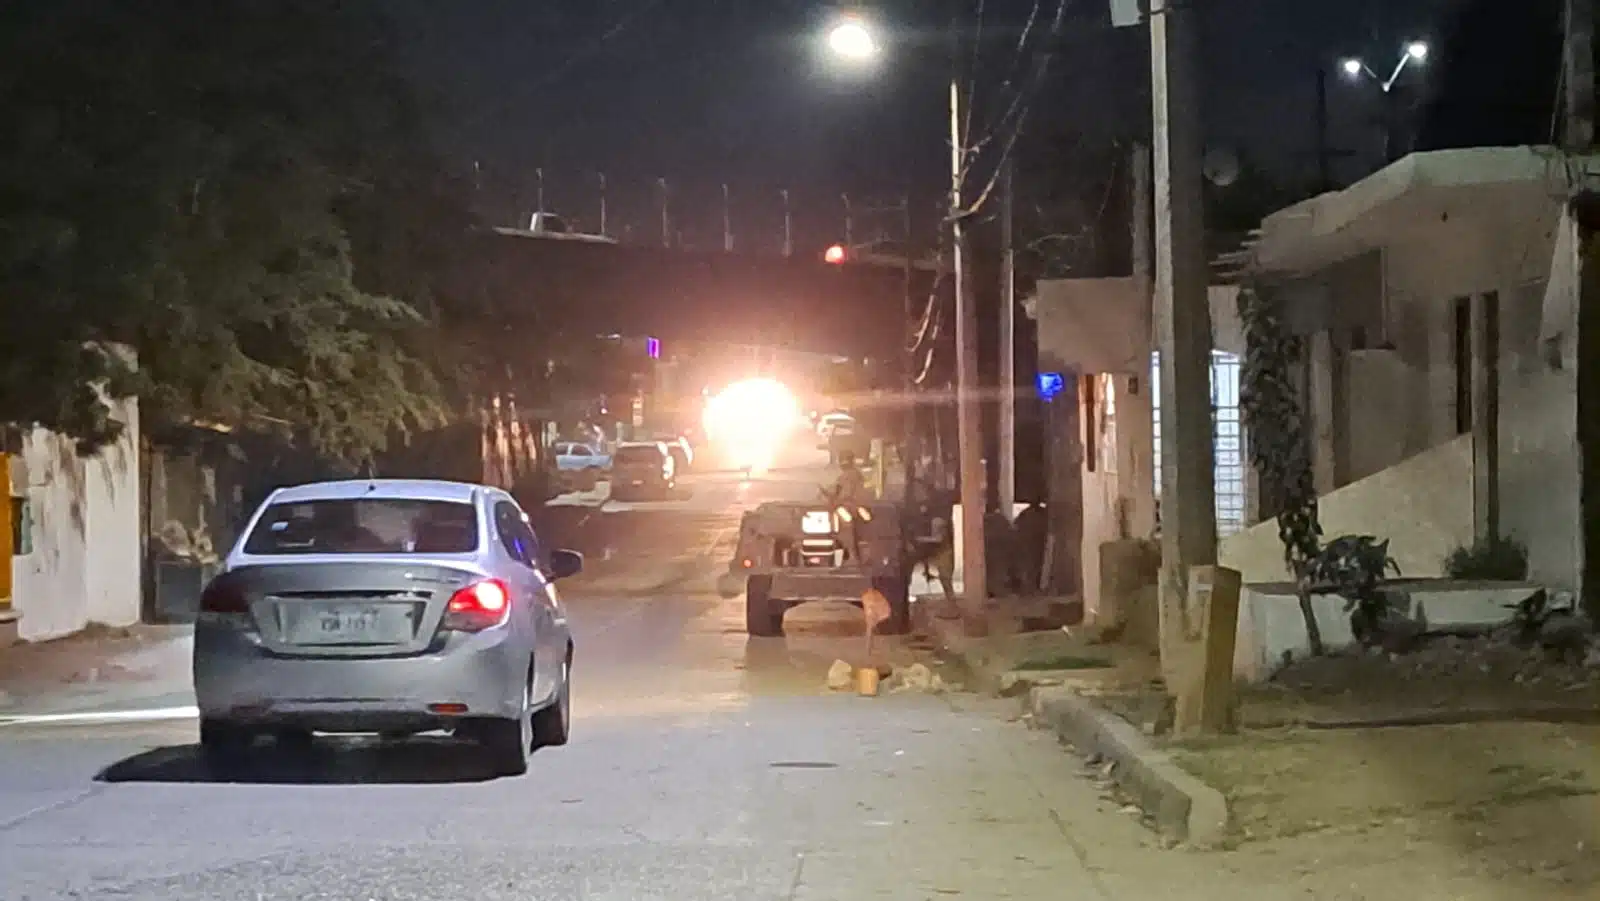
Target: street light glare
x,y
1417,50
851,40
1352,67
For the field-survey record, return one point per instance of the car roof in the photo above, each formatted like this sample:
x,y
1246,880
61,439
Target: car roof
x,y
386,489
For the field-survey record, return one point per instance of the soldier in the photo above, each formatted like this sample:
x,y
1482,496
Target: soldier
x,y
849,492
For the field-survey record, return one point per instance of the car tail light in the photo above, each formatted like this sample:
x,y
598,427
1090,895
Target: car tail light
x,y
478,606
223,596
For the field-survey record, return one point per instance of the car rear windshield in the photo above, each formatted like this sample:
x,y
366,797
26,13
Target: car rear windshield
x,y
626,455
365,526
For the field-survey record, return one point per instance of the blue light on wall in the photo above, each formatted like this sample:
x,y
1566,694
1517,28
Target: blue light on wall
x,y
652,346
1050,384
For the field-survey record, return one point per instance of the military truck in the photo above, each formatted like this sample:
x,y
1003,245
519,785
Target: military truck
x,y
792,553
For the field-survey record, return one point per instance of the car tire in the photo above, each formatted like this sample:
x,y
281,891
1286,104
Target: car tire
x,y
552,725
763,618
895,590
509,741
222,740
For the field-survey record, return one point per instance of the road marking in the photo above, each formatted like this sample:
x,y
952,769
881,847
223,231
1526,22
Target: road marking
x,y
145,715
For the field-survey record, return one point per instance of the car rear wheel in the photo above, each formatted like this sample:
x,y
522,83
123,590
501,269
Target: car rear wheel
x,y
553,725
508,741
763,617
220,739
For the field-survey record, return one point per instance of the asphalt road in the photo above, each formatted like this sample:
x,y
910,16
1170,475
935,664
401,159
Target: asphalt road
x,y
703,766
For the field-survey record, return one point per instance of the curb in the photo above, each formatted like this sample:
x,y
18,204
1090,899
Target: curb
x,y
1183,807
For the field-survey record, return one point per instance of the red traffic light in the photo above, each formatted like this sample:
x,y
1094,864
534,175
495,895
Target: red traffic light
x,y
834,254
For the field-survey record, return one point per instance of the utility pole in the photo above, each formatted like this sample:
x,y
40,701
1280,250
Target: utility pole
x,y
909,452
1578,136
602,203
969,434
788,225
727,222
666,214
1183,326
1008,345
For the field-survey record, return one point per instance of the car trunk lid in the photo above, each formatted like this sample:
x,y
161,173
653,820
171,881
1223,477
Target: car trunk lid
x,y
353,607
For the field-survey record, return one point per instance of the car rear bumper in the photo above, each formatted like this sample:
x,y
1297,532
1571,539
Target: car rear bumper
x,y
238,680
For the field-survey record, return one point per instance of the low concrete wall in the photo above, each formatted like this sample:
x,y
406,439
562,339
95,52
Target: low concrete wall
x,y
1423,506
1273,632
84,564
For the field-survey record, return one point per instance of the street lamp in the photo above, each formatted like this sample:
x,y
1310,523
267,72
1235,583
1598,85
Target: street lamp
x,y
851,38
1413,53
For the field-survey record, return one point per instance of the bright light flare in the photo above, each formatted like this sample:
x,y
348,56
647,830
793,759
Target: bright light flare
x,y
1352,67
1417,50
853,40
751,420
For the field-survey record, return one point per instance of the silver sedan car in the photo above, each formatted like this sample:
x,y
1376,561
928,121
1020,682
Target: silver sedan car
x,y
387,606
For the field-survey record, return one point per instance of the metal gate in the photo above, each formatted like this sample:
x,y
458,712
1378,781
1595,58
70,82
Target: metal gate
x,y
1227,441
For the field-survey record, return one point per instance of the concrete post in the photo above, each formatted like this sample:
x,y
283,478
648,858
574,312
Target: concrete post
x,y
1188,506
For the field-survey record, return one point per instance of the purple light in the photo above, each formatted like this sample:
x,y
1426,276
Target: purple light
x,y
652,346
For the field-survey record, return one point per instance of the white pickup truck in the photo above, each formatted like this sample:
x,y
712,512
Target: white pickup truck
x,y
576,456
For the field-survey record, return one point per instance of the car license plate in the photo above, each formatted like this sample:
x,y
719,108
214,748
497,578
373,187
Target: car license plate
x,y
638,482
345,625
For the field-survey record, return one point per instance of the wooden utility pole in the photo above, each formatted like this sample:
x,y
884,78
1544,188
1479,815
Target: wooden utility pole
x,y
969,434
1183,327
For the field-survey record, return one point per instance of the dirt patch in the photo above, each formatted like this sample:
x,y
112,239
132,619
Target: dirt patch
x,y
1293,781
1446,675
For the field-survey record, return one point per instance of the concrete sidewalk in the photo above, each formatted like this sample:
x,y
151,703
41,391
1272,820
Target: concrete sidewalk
x,y
98,670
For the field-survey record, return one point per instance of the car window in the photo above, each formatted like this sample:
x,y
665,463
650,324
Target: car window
x,y
643,453
563,449
365,526
515,536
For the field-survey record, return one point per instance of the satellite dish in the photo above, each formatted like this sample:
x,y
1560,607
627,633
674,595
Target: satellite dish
x,y
1221,166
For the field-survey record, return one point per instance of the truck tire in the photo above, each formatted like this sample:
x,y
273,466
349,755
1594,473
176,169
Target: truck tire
x,y
762,617
896,590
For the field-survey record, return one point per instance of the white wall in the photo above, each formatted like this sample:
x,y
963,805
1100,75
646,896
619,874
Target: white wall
x,y
1423,507
85,566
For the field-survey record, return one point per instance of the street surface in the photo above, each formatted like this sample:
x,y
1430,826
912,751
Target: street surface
x,y
703,766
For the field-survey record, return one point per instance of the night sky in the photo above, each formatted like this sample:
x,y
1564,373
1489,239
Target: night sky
x,y
706,92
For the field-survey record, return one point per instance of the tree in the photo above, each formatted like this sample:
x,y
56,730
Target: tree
x,y
237,191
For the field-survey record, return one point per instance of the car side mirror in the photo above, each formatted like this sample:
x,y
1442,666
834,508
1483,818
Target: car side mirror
x,y
564,563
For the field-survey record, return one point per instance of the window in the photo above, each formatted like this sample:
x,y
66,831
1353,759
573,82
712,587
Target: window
x,y
365,526
516,536
639,454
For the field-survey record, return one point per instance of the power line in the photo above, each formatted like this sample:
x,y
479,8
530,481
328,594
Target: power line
x,y
1021,104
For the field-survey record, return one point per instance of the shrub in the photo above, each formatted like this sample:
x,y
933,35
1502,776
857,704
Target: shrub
x,y
1495,559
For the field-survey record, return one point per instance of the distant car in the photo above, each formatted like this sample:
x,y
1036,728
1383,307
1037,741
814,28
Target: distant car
x,y
643,470
387,606
577,456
